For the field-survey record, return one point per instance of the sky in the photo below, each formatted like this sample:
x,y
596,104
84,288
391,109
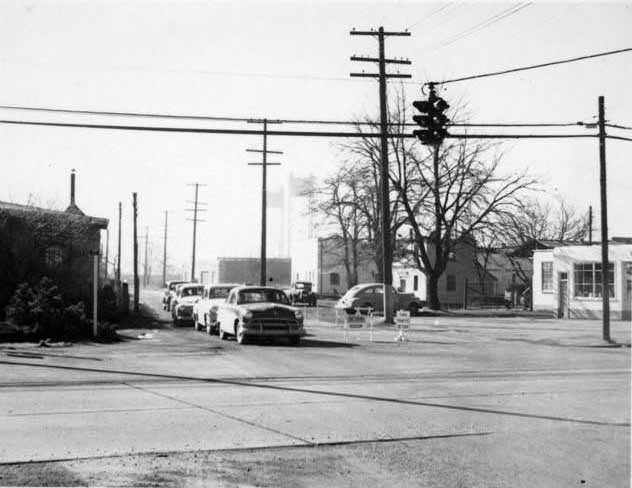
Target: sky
x,y
287,60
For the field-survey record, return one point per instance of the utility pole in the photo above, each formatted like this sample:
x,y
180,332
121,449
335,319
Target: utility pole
x,y
605,272
118,260
264,193
136,283
164,252
382,76
196,204
145,277
590,225
107,252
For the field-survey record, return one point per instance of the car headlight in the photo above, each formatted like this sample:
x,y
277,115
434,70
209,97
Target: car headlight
x,y
298,314
246,316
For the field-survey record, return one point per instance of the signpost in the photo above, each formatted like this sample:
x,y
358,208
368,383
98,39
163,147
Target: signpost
x,y
402,322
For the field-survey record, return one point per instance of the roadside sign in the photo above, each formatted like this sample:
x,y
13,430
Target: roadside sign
x,y
356,321
362,318
402,322
402,319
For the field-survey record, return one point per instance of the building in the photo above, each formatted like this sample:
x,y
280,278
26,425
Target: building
x,y
321,261
567,281
247,270
37,242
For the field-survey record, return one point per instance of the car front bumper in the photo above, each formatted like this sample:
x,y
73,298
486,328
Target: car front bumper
x,y
272,331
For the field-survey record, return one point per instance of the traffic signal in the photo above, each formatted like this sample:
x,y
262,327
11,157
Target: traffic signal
x,y
432,119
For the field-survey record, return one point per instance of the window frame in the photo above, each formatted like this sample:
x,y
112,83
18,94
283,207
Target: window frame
x,y
596,283
550,278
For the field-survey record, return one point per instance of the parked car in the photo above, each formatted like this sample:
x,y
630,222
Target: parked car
x,y
170,291
182,304
205,310
372,295
259,311
301,292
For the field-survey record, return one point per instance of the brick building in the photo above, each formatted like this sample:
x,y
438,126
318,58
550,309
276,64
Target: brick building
x,y
37,242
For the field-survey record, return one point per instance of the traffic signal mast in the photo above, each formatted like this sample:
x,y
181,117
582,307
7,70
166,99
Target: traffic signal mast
x,y
432,121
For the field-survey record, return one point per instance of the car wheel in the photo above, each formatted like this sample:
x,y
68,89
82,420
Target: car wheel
x,y
222,334
195,322
207,325
413,308
240,337
295,340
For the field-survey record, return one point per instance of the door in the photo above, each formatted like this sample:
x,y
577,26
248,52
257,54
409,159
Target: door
x,y
562,296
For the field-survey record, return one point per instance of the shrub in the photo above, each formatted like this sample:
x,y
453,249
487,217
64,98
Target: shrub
x,y
18,311
42,308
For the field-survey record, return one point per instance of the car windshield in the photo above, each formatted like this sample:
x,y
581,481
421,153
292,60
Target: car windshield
x,y
259,295
192,291
219,292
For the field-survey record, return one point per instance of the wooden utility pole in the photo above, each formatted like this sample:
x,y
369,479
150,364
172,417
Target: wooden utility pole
x,y
196,208
605,272
145,277
118,259
590,225
107,252
164,252
264,194
136,283
382,76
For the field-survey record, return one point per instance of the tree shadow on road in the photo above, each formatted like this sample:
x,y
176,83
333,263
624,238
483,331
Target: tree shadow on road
x,y
147,318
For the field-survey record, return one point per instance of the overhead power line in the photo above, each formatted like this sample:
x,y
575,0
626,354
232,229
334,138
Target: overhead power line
x,y
486,23
535,66
285,121
198,130
619,137
616,126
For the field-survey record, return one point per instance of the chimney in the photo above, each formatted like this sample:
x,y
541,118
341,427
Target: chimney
x,y
72,188
72,208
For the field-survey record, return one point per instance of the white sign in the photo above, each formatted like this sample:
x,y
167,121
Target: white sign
x,y
356,321
402,319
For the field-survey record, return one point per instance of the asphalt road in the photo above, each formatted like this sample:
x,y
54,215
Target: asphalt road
x,y
506,402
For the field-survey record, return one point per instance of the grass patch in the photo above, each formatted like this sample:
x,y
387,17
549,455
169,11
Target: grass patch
x,y
38,474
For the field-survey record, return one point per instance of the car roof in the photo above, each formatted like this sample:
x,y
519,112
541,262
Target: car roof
x,y
222,285
254,287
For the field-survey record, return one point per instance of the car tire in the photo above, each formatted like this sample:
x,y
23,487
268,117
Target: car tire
x,y
240,337
207,326
222,334
413,308
196,325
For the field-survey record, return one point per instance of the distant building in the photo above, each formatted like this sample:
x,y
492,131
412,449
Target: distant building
x,y
567,280
247,270
321,261
37,242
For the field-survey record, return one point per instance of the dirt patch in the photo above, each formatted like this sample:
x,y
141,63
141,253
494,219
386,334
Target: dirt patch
x,y
49,474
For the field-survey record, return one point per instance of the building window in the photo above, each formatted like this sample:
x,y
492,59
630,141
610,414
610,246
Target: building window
x,y
547,276
588,280
53,257
334,279
451,283
415,283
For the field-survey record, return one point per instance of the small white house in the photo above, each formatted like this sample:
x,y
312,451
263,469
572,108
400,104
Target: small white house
x,y
567,281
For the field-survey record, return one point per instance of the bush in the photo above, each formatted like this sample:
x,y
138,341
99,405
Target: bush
x,y
42,308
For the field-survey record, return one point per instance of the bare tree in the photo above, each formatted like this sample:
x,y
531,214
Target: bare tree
x,y
336,202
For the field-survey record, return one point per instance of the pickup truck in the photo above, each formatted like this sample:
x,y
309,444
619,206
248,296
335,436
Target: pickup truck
x,y
301,292
371,295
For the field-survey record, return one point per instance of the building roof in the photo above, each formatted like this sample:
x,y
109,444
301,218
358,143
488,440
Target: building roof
x,y
17,209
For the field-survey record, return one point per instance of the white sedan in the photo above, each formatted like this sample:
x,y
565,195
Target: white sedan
x,y
259,311
205,310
